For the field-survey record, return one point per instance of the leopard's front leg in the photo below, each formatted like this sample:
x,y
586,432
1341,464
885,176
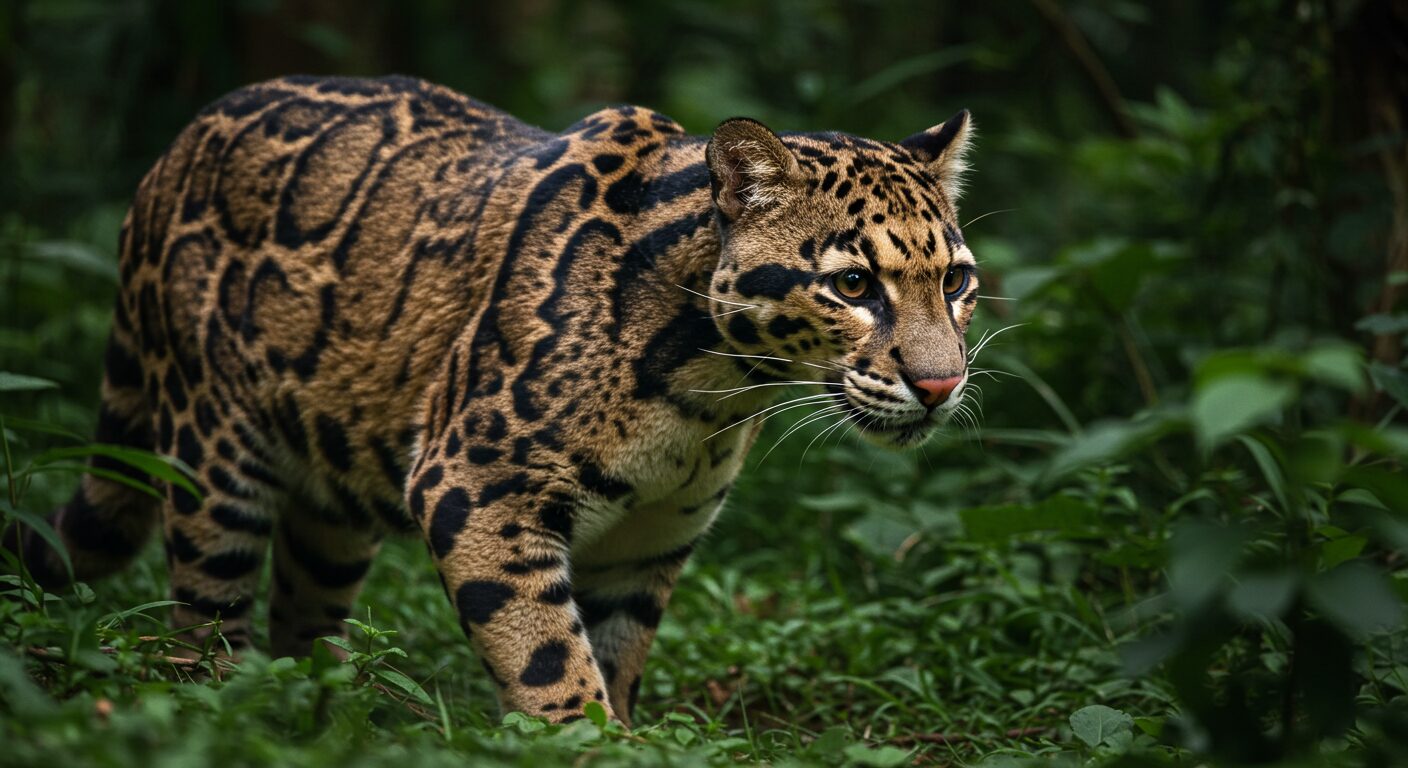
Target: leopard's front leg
x,y
501,539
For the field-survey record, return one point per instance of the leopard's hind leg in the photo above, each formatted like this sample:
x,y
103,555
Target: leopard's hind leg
x,y
320,561
106,522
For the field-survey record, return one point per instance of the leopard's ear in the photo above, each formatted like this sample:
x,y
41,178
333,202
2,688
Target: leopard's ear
x,y
944,148
750,169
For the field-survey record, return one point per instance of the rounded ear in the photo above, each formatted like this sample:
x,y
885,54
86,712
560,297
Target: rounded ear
x,y
750,169
944,148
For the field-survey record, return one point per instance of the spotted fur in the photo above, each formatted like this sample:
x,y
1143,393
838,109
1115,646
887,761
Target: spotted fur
x,y
357,307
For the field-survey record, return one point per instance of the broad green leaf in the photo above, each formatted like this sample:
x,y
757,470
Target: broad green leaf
x,y
1382,324
1263,596
1063,514
1339,365
876,757
595,712
1097,722
18,382
879,534
1391,380
1357,598
1202,556
1110,440
1231,404
1341,550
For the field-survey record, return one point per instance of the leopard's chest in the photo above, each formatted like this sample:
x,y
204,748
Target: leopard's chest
x,y
680,474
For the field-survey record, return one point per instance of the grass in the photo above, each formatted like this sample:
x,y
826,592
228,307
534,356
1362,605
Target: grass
x,y
836,615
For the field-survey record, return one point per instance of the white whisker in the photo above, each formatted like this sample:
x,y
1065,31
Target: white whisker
x,y
839,422
808,419
714,298
989,213
987,339
790,404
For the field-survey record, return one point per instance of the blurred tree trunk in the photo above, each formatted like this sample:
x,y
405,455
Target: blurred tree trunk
x,y
1373,64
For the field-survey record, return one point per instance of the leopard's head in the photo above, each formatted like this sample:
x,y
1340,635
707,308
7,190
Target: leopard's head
x,y
842,263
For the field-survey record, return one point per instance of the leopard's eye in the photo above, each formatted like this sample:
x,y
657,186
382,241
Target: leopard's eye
x,y
956,280
853,284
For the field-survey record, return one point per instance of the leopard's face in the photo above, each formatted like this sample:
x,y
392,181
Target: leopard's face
x,y
842,264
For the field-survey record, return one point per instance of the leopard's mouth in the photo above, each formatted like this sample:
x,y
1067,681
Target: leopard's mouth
x,y
890,430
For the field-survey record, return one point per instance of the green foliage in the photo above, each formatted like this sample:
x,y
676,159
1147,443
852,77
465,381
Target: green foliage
x,y
1176,536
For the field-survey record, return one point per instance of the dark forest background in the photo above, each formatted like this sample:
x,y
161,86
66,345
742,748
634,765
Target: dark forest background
x,y
1175,535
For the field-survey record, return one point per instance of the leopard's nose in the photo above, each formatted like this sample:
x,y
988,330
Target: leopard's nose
x,y
933,392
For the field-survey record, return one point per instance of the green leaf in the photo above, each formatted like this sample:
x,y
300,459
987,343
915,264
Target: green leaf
x,y
1109,440
18,382
1231,404
1391,380
1097,722
1262,596
1060,513
45,531
339,642
88,469
34,425
165,468
1270,469
1383,324
1341,550
1357,598
406,684
1339,365
879,534
595,712
882,757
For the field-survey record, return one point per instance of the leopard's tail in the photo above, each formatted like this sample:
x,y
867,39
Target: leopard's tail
x,y
105,523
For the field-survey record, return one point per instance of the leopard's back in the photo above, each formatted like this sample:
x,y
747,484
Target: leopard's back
x,y
308,244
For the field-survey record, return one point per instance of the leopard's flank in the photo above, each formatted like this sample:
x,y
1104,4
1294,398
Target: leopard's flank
x,y
359,307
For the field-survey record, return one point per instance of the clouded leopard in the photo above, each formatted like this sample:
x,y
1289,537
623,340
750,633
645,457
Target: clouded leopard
x,y
356,307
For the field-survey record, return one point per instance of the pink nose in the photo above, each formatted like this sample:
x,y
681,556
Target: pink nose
x,y
934,391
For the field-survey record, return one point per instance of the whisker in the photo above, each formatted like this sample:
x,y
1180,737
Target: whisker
x,y
727,393
714,298
737,354
790,404
989,213
839,422
987,339
981,296
808,419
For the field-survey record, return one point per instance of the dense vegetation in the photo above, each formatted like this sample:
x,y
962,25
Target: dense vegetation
x,y
1175,533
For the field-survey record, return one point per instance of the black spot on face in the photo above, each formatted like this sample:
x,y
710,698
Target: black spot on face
x,y
782,326
772,281
743,330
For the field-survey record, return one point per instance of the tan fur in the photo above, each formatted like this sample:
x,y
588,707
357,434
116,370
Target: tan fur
x,y
361,306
